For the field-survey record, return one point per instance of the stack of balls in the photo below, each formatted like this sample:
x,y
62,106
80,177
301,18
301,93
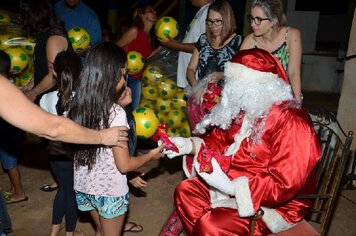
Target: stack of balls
x,y
21,70
168,102
20,51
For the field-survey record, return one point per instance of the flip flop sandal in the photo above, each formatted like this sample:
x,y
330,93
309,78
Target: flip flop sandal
x,y
11,200
135,228
48,188
7,194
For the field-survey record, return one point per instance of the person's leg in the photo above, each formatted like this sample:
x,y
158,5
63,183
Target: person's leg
x,y
16,184
71,211
96,218
112,211
135,86
112,227
8,158
59,201
5,221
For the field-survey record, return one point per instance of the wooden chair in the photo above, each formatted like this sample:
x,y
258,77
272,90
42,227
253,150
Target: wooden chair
x,y
335,155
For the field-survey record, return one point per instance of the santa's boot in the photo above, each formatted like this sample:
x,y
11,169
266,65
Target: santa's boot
x,y
173,226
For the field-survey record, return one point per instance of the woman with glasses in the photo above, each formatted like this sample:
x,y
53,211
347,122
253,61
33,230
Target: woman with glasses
x,y
269,32
140,37
215,47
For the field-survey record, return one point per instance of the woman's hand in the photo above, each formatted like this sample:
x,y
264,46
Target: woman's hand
x,y
216,77
115,136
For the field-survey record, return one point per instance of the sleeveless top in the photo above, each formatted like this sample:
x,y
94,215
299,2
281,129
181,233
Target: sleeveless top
x,y
213,60
141,44
281,52
40,52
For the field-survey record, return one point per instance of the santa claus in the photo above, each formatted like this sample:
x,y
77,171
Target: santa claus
x,y
273,151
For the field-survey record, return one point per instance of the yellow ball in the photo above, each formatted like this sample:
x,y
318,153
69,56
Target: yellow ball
x,y
135,62
173,132
144,102
79,38
167,88
185,130
4,41
151,74
163,104
149,91
166,28
4,18
162,116
175,118
26,78
146,122
29,46
19,59
179,101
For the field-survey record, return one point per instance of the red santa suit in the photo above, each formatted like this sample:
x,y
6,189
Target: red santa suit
x,y
274,158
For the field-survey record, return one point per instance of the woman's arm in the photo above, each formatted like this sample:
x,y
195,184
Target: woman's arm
x,y
175,45
192,68
16,109
55,45
295,61
127,37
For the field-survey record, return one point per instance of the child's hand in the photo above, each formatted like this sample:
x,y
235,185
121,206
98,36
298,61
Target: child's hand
x,y
138,182
157,152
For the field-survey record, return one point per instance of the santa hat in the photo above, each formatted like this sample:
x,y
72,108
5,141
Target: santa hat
x,y
253,64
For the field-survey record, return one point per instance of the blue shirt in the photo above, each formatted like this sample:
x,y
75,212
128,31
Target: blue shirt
x,y
81,16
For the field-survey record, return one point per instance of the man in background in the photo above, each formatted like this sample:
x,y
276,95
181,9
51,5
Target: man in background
x,y
75,13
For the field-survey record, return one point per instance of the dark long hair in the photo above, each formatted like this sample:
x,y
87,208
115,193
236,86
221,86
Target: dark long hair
x,y
67,66
38,15
96,93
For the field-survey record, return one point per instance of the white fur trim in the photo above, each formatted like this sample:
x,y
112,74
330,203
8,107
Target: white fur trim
x,y
220,199
228,203
243,197
242,72
197,142
245,131
274,221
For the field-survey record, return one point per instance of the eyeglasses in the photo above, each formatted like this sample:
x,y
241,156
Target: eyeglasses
x,y
214,22
126,78
257,20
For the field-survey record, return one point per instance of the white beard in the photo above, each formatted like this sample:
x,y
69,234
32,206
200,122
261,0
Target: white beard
x,y
247,90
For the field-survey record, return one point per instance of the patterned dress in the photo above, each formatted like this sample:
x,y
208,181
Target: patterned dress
x,y
282,52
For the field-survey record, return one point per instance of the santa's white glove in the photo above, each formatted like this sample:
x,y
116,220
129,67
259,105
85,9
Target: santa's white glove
x,y
217,179
184,145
